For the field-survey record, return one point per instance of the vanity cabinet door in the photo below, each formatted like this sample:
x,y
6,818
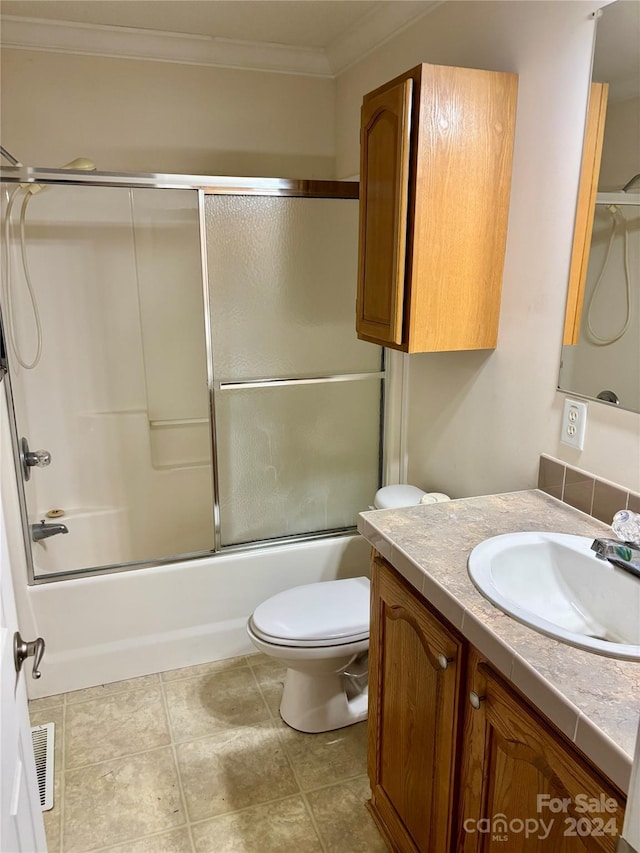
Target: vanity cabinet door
x,y
414,691
521,788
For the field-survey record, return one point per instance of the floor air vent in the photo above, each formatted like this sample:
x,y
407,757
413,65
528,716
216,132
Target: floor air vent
x,y
42,738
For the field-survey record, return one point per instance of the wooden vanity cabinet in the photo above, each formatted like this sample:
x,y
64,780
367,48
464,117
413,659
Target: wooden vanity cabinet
x,y
515,766
435,173
415,683
438,765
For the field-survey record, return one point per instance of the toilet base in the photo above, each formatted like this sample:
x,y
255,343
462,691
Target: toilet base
x,y
325,687
318,703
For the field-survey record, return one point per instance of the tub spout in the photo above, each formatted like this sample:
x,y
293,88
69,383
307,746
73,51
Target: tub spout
x,y
44,531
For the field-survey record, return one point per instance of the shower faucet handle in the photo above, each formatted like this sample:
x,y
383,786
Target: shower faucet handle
x,y
38,458
32,458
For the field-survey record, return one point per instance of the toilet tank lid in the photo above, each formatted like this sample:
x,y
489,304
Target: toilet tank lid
x,y
394,497
330,610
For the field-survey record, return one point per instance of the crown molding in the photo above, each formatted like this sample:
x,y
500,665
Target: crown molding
x,y
379,26
383,22
132,43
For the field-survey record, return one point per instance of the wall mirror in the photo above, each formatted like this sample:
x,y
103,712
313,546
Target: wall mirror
x,y
601,351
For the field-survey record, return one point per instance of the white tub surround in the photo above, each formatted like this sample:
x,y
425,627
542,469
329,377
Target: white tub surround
x,y
592,700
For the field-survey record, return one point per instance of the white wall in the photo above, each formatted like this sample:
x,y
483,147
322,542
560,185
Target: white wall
x,y
620,150
478,421
145,116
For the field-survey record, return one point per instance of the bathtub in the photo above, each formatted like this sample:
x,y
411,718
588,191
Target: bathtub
x,y
133,623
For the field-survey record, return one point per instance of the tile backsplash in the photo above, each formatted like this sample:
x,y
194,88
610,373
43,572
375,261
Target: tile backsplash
x,y
584,491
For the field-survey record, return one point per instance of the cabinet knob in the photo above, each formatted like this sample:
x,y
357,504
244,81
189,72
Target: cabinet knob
x,y
444,661
476,700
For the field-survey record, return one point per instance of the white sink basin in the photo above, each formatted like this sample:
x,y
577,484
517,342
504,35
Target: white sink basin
x,y
554,583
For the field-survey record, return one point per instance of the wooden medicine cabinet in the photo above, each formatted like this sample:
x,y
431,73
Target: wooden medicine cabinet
x,y
436,154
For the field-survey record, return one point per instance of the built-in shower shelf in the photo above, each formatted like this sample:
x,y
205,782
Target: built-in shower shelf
x,y
178,422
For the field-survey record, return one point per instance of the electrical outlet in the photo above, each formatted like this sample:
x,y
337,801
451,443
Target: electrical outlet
x,y
574,423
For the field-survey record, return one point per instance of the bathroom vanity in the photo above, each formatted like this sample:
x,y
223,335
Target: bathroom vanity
x,y
483,733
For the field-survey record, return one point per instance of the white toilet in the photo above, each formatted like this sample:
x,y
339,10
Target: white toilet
x,y
320,631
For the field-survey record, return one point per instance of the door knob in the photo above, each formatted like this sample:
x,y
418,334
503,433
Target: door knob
x,y
23,650
32,458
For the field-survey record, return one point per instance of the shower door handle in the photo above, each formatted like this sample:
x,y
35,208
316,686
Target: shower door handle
x,y
32,458
23,650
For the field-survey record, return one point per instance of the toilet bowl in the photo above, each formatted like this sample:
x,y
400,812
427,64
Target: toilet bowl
x,y
320,632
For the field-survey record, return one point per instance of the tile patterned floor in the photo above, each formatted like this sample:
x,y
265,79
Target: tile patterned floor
x,y
197,760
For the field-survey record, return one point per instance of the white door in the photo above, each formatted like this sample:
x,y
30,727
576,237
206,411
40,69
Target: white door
x,y
21,823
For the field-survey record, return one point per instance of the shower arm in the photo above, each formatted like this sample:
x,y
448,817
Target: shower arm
x,y
630,183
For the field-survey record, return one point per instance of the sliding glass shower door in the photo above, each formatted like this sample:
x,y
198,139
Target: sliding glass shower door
x,y
119,396
297,396
201,386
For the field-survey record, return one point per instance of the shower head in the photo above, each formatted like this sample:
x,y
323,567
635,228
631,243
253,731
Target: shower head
x,y
79,164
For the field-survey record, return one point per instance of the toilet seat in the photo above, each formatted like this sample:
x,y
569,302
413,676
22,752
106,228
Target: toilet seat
x,y
329,613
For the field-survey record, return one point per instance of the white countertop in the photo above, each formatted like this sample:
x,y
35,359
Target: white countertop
x,y
593,700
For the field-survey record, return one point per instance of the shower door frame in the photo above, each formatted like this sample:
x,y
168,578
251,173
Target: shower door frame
x,y
392,374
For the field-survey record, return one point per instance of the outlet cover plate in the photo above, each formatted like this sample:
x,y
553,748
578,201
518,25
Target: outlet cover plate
x,y
574,423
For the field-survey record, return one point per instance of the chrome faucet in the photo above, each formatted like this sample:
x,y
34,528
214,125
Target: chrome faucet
x,y
625,555
44,531
623,552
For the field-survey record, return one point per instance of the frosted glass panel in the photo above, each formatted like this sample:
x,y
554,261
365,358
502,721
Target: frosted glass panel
x,y
283,278
296,459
